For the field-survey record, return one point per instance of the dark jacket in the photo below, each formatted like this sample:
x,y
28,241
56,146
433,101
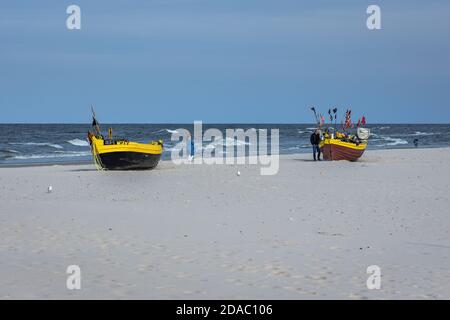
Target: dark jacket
x,y
315,139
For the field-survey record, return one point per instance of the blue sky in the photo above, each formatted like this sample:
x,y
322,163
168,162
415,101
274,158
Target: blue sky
x,y
254,61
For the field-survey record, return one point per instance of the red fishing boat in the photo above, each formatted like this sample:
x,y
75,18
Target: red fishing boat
x,y
337,149
343,146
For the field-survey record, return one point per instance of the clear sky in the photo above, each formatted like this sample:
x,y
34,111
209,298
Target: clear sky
x,y
219,61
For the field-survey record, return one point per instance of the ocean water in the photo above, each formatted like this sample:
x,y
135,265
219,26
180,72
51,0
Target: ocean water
x,y
66,143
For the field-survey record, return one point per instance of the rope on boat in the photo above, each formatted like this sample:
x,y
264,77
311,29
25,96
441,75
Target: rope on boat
x,y
97,160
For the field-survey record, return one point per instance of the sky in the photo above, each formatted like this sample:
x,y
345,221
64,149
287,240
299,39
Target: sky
x,y
224,61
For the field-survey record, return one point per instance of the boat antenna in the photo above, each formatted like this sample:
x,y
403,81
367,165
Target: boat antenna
x,y
321,120
95,123
315,115
335,116
344,120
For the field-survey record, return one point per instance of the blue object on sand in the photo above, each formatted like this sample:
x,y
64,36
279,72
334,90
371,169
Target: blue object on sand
x,y
192,149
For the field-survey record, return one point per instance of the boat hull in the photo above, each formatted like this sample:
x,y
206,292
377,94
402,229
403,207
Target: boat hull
x,y
336,150
125,155
129,160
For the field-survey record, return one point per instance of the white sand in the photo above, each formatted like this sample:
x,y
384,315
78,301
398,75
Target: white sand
x,y
202,232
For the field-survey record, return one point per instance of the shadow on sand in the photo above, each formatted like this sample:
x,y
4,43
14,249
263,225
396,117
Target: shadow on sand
x,y
306,160
82,170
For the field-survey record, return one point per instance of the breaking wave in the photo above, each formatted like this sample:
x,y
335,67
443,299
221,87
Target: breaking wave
x,y
418,133
8,153
78,143
393,142
226,142
40,144
68,154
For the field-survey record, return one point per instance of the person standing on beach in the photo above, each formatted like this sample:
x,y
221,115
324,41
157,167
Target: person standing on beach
x,y
191,146
315,140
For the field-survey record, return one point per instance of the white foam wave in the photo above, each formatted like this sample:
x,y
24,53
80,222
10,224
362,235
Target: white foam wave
x,y
418,133
227,142
393,142
218,143
9,151
40,144
52,155
79,143
159,131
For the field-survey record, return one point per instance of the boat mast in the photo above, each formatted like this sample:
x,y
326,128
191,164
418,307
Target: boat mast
x,y
95,125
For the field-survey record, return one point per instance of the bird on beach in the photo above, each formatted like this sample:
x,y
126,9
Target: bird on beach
x,y
50,189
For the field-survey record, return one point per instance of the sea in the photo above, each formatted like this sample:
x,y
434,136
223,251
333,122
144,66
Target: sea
x,y
30,144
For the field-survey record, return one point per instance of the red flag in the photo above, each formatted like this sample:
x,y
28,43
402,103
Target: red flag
x,y
348,119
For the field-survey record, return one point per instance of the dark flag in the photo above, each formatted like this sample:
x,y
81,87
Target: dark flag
x,y
363,121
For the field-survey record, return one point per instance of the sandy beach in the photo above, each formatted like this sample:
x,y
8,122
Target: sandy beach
x,y
203,232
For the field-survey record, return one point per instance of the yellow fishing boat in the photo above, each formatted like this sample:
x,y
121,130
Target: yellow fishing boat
x,y
342,145
337,149
121,154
